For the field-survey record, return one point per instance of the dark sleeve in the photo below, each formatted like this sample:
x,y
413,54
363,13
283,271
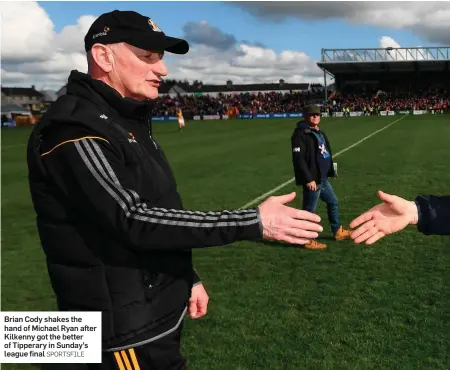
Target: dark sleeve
x,y
434,214
90,172
298,155
197,279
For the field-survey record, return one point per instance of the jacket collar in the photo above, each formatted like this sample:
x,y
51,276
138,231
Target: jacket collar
x,y
83,85
302,125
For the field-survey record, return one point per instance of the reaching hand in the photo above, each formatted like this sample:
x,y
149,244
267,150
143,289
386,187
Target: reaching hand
x,y
386,218
288,224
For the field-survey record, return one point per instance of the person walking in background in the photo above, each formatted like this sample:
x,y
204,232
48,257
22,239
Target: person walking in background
x,y
313,164
180,119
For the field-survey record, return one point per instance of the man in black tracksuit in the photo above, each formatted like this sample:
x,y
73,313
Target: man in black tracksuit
x,y
109,216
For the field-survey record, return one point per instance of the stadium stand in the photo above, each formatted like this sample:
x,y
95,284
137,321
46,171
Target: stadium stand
x,y
366,82
245,101
401,80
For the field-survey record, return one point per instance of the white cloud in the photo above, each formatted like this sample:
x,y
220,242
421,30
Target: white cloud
x,y
58,62
34,54
404,54
69,39
254,56
244,64
27,32
426,19
13,76
388,42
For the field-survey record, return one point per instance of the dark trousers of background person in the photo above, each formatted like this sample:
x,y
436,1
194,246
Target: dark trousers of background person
x,y
325,193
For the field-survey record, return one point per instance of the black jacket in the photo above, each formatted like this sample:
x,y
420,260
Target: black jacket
x,y
304,146
109,216
434,214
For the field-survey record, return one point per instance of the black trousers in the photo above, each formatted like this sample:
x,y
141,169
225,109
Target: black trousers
x,y
161,354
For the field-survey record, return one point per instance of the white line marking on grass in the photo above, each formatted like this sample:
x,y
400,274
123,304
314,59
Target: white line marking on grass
x,y
270,192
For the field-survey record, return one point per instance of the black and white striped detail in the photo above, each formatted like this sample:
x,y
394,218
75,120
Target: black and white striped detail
x,y
159,336
130,202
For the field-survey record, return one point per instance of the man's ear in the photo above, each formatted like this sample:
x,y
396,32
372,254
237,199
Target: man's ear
x,y
103,57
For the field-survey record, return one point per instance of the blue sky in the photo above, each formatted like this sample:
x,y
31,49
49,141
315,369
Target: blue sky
x,y
303,35
253,42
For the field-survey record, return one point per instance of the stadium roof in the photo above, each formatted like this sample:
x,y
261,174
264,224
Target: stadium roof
x,y
182,87
337,61
21,91
237,88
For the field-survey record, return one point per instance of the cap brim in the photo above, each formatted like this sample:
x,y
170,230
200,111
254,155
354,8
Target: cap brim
x,y
159,42
176,46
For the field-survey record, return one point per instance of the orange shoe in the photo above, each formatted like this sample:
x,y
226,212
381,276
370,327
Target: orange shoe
x,y
315,245
342,234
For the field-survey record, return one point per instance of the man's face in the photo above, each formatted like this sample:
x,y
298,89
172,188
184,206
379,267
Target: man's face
x,y
137,72
313,119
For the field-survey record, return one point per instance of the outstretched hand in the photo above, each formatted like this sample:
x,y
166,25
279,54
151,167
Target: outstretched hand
x,y
393,215
288,224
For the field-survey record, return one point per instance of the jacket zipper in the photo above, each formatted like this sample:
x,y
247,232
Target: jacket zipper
x,y
149,126
161,155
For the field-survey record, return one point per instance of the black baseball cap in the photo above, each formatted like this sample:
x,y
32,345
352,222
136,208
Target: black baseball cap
x,y
134,29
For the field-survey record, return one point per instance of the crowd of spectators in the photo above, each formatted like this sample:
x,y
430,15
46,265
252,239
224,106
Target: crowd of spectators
x,y
244,103
276,102
432,99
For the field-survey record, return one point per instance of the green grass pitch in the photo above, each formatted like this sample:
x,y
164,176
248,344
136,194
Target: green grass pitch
x,y
272,306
